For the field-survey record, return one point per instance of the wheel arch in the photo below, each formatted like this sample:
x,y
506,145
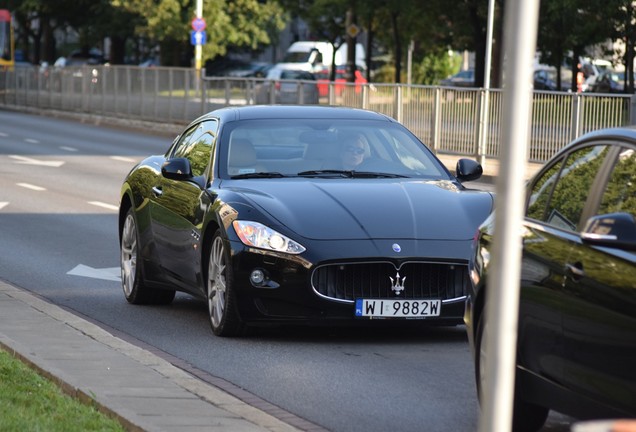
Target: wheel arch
x,y
478,309
124,205
206,243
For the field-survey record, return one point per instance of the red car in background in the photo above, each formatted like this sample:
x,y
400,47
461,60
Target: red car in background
x,y
341,78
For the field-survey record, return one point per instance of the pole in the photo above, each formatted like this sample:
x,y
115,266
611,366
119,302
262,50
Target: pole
x,y
197,47
502,304
485,105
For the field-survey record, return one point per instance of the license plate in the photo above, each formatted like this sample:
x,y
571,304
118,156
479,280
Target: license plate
x,y
376,308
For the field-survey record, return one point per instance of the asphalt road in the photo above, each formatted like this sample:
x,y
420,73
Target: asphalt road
x,y
59,190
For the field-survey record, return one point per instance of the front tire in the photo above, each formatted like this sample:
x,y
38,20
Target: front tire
x,y
526,417
222,311
135,288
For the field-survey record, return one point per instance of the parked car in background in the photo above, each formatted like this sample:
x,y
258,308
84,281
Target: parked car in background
x,y
301,215
340,82
609,81
150,62
576,344
250,70
545,78
287,86
465,78
236,67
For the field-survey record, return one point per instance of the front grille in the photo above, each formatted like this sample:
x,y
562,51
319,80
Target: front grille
x,y
423,280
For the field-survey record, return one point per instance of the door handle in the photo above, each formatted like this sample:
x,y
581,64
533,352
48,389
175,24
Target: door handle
x,y
575,271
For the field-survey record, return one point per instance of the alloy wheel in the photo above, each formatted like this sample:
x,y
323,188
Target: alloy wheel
x,y
128,255
217,282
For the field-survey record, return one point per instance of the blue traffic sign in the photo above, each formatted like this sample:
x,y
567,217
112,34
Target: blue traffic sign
x,y
197,37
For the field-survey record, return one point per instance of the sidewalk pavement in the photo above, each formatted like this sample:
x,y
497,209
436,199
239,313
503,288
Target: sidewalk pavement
x,y
143,391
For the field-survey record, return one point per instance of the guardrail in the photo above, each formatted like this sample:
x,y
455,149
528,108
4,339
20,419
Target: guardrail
x,y
449,119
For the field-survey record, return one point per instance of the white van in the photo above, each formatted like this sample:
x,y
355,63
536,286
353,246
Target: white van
x,y
315,56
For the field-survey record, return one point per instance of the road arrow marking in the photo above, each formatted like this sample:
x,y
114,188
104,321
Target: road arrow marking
x,y
29,161
30,186
109,274
123,159
104,205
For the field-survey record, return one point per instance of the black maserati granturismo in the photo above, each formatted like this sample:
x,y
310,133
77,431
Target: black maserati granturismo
x,y
301,215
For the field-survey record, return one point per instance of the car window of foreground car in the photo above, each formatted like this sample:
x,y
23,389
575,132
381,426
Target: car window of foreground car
x,y
323,147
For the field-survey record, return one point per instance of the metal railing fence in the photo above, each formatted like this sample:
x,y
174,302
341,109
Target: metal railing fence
x,y
449,120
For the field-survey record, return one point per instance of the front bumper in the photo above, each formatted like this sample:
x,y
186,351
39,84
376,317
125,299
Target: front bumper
x,y
297,290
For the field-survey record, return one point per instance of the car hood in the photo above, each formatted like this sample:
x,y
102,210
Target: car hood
x,y
355,209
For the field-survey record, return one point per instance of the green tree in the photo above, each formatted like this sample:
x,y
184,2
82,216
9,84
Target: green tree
x,y
237,23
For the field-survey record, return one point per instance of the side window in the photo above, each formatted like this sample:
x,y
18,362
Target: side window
x,y
620,194
179,148
196,146
560,201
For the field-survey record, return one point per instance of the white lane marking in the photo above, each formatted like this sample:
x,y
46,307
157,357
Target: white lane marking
x,y
110,274
123,159
31,140
31,161
69,149
3,205
104,205
30,186
4,135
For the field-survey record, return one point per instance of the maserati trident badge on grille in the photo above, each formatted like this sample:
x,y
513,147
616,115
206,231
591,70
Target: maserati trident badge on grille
x,y
397,284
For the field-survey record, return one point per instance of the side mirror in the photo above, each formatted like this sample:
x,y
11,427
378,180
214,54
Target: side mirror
x,y
177,169
615,230
467,170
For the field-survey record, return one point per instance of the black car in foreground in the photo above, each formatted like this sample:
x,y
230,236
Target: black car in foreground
x,y
300,214
576,345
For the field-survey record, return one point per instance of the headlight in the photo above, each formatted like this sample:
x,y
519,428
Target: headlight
x,y
260,236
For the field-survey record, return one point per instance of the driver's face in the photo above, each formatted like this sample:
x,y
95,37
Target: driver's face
x,y
353,154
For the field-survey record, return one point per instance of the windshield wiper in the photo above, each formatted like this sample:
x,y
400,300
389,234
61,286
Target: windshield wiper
x,y
258,175
328,173
349,173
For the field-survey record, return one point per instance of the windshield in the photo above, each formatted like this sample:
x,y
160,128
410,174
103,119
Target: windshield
x,y
333,148
296,57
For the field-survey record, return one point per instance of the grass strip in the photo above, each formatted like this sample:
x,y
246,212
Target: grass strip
x,y
30,402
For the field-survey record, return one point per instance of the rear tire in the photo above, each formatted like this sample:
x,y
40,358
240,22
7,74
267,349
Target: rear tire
x,y
135,288
526,417
222,308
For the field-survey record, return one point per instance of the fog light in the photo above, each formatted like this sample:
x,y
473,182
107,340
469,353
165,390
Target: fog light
x,y
257,277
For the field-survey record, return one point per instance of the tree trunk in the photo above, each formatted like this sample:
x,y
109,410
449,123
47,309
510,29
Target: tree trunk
x,y
479,44
369,51
398,47
117,50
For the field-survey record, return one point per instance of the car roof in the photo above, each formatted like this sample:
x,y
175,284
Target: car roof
x,y
627,133
622,133
251,112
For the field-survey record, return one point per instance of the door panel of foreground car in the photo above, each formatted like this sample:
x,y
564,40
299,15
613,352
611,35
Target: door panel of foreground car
x,y
178,211
600,318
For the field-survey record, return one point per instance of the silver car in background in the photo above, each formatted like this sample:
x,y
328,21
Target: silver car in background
x,y
287,86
